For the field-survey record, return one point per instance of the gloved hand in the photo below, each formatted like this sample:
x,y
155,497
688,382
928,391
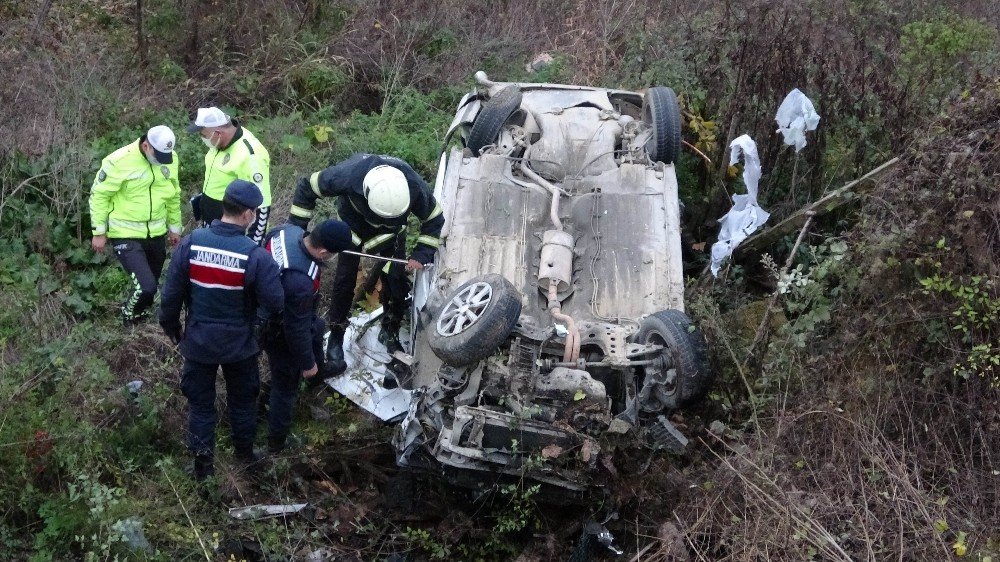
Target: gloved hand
x,y
196,207
175,333
259,331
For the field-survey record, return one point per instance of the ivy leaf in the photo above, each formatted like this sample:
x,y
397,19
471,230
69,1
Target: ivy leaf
x,y
320,133
960,547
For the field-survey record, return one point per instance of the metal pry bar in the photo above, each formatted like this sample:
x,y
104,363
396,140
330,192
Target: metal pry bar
x,y
364,255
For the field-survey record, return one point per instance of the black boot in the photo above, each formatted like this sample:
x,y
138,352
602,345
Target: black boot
x,y
335,363
389,337
246,455
275,444
204,467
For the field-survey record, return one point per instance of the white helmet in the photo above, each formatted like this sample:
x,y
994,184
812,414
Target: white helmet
x,y
387,191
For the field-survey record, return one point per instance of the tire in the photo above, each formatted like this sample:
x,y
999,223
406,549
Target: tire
x,y
495,305
661,112
686,350
490,121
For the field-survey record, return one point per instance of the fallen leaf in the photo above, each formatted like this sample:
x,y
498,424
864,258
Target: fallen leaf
x,y
608,465
552,451
328,486
961,549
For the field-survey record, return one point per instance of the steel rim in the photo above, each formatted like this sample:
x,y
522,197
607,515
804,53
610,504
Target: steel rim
x,y
464,309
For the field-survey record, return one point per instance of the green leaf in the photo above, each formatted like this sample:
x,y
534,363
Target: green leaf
x,y
295,143
580,395
77,304
320,133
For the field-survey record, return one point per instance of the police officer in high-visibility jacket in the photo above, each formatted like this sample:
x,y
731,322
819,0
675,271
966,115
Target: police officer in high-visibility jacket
x,y
234,153
294,341
375,196
222,278
134,202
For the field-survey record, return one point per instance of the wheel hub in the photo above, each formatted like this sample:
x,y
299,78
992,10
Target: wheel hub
x,y
465,309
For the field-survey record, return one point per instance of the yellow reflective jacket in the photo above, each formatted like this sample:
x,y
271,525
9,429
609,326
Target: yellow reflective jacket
x,y
132,198
244,159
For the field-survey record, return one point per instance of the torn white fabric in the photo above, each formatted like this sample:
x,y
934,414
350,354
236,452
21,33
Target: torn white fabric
x,y
746,216
795,116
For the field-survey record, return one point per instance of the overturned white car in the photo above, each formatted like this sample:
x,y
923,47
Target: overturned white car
x,y
552,323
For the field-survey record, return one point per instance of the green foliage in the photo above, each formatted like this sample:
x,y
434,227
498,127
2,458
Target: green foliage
x,y
555,72
83,282
162,20
811,288
642,67
80,455
937,52
975,318
422,539
441,41
521,512
411,126
317,81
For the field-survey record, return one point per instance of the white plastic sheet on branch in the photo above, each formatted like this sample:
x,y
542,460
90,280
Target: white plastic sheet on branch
x,y
746,216
795,116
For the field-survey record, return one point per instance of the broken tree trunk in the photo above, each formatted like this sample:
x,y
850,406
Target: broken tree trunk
x,y
829,202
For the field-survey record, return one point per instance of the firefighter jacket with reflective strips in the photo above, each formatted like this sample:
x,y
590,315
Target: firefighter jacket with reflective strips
x,y
244,159
369,230
132,198
222,278
300,279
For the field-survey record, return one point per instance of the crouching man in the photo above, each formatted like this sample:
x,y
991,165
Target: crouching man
x,y
294,340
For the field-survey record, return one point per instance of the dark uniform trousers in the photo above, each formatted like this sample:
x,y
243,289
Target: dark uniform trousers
x,y
221,276
142,260
395,286
242,385
286,378
295,341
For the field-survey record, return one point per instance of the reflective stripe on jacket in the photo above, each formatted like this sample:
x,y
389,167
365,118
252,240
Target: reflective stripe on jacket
x,y
217,270
287,249
222,277
244,159
346,182
300,280
131,198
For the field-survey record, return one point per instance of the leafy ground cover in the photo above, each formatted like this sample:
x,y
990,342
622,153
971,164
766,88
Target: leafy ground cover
x,y
856,420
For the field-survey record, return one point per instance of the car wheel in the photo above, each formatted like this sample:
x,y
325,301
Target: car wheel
x,y
477,317
661,112
684,350
494,113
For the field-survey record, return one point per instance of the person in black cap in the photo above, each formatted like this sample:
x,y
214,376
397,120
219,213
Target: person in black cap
x,y
221,277
294,340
